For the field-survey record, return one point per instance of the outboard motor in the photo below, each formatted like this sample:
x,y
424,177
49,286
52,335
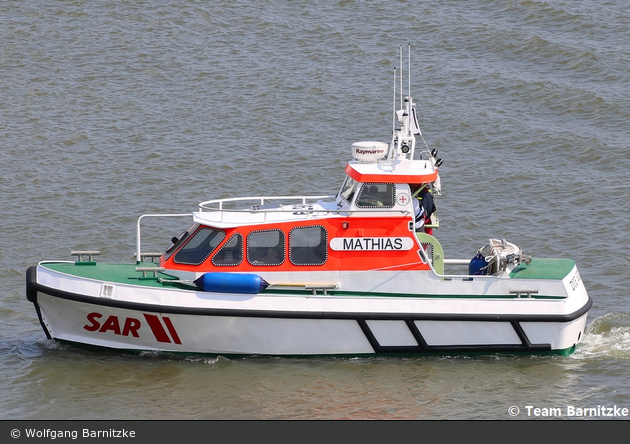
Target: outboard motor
x,y
496,257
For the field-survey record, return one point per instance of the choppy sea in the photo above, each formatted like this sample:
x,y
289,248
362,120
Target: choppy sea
x,y
113,109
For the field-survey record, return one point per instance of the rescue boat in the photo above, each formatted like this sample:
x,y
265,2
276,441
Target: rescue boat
x,y
356,273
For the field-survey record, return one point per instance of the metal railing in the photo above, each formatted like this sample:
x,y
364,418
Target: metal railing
x,y
280,204
139,254
263,205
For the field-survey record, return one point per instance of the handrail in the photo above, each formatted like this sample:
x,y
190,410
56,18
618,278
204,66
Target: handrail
x,y
204,206
81,253
457,261
262,199
302,206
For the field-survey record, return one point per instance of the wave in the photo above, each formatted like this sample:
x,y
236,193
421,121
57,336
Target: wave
x,y
608,336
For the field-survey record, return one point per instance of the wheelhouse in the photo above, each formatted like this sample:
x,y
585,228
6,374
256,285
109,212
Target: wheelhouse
x,y
365,226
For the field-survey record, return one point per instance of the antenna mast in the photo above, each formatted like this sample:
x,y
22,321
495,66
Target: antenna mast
x,y
403,139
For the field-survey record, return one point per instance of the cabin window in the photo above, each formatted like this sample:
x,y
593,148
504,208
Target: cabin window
x,y
347,189
231,253
308,245
199,246
176,241
265,247
376,195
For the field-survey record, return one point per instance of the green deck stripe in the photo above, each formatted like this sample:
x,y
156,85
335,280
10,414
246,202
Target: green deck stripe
x,y
116,273
127,274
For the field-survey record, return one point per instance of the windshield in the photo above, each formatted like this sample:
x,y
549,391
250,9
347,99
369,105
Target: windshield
x,y
347,190
176,241
199,246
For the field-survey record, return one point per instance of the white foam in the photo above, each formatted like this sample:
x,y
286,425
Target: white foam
x,y
606,337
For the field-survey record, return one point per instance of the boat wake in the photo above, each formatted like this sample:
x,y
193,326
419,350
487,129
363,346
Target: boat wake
x,y
608,336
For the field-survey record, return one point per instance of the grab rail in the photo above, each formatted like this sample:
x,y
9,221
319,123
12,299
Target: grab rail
x,y
300,205
80,254
261,199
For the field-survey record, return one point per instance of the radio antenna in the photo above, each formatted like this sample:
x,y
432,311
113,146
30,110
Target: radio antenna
x,y
394,111
401,79
409,71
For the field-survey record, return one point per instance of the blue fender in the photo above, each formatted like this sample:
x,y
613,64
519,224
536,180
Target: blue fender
x,y
222,282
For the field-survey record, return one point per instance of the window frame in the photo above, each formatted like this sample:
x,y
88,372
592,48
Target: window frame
x,y
224,246
323,244
193,236
363,189
282,239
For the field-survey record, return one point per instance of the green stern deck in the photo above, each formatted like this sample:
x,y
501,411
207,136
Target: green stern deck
x,y
544,269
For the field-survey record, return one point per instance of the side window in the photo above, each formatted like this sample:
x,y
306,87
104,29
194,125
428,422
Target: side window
x,y
376,195
265,247
199,246
308,245
231,253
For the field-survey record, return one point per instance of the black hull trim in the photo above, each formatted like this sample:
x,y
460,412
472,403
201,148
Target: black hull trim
x,y
31,295
423,347
32,288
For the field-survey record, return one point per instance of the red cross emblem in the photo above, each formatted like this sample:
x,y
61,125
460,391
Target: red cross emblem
x,y
402,199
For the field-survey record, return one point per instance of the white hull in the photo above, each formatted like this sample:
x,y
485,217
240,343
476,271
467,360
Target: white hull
x,y
141,318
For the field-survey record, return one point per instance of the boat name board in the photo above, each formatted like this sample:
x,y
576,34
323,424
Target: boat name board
x,y
371,243
575,280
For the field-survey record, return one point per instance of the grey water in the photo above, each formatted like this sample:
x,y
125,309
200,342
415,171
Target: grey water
x,y
113,109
